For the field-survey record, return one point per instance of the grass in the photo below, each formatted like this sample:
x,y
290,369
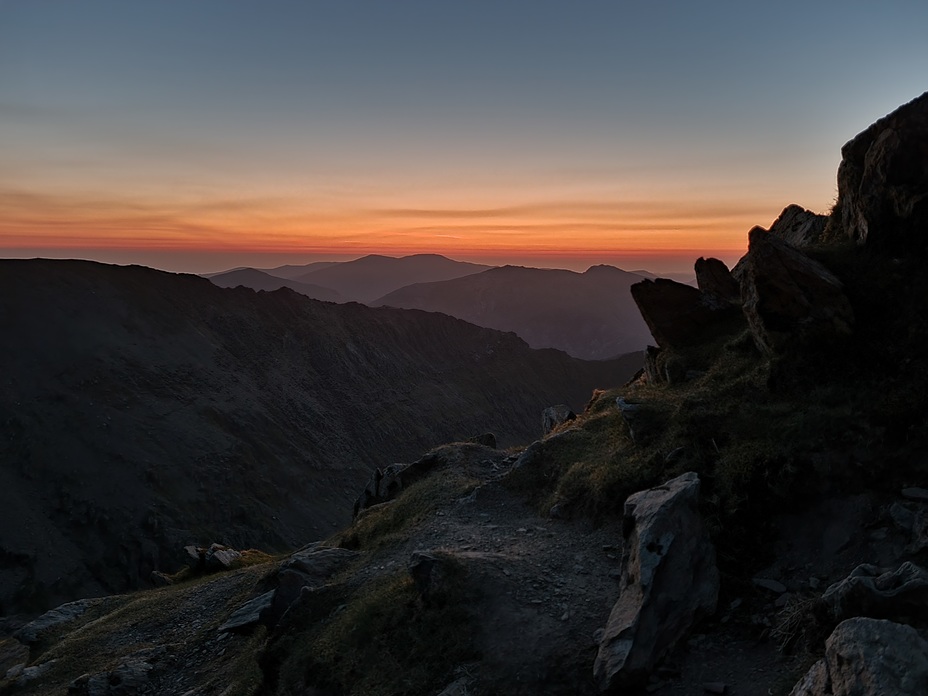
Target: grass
x,y
378,640
388,523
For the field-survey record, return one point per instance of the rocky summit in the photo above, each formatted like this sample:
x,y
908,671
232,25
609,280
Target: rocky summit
x,y
748,515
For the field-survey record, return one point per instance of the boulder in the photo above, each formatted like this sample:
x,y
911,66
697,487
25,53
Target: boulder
x,y
250,613
679,315
874,592
554,416
36,630
799,227
883,181
668,582
219,557
869,657
715,281
787,296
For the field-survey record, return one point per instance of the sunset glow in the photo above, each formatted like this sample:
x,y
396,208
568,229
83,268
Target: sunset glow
x,y
192,135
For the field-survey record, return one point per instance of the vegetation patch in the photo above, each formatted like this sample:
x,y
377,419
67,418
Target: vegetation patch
x,y
380,639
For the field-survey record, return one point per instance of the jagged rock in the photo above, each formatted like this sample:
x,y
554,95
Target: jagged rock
x,y
814,682
249,613
426,571
787,296
36,630
679,315
485,439
799,227
902,516
31,674
919,494
554,416
630,416
715,280
874,592
883,180
159,579
651,368
319,564
127,679
869,657
669,581
219,557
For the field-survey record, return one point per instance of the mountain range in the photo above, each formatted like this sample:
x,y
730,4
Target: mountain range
x,y
589,315
142,411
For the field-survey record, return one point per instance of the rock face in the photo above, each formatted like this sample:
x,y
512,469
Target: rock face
x,y
669,581
869,657
715,280
799,227
678,315
874,592
883,180
553,416
788,296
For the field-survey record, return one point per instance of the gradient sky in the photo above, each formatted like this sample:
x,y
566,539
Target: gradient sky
x,y
200,135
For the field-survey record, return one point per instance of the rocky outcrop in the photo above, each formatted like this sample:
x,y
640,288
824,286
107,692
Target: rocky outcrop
x,y
869,657
799,227
883,181
787,296
878,593
386,483
52,620
554,416
679,315
715,281
668,581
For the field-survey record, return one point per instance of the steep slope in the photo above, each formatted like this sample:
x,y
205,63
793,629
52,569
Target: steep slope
x,y
590,315
143,410
259,280
373,276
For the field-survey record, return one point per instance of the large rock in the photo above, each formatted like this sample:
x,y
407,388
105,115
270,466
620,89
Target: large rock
x,y
715,280
869,657
554,416
668,581
788,296
679,315
799,227
883,180
52,620
875,592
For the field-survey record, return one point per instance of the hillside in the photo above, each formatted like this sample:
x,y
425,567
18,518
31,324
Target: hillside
x,y
259,280
373,276
590,315
142,411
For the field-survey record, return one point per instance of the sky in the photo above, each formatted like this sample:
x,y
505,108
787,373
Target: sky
x,y
199,136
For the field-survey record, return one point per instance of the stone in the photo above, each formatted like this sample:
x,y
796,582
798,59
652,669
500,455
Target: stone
x,y
787,296
799,227
250,613
429,573
485,439
772,585
554,416
902,516
320,563
219,557
652,369
715,687
33,673
919,494
873,592
814,682
668,582
679,315
715,281
36,630
869,657
883,181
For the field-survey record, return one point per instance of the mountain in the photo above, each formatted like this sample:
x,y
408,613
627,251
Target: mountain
x,y
141,411
259,280
590,315
291,272
373,276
